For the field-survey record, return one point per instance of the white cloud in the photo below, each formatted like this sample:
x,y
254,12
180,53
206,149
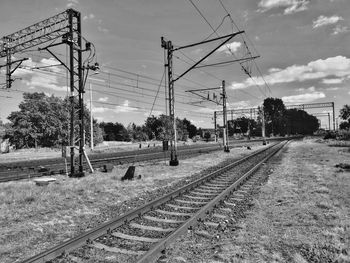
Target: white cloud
x,y
99,109
104,99
154,112
290,6
229,48
310,89
72,3
99,119
239,104
332,81
338,66
102,29
90,16
44,81
303,98
124,108
207,110
33,76
333,88
323,21
340,29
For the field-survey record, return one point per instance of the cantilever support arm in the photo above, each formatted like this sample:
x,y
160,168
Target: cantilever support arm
x,y
48,50
229,37
227,62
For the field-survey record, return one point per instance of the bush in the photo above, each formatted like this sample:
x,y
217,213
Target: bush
x,y
330,135
344,135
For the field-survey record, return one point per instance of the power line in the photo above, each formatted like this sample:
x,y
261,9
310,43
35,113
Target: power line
x,y
237,28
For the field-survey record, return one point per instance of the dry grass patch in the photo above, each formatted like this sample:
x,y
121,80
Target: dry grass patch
x,y
302,213
34,218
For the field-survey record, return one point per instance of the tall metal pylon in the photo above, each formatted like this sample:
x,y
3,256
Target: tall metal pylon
x,y
225,126
63,28
167,45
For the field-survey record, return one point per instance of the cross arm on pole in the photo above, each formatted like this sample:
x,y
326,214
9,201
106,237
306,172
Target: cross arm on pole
x,y
210,40
202,89
229,37
19,63
227,62
48,50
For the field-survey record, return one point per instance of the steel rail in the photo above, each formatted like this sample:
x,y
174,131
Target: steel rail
x,y
92,234
23,169
154,253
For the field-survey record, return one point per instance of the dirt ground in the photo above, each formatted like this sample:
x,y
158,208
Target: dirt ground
x,y
301,214
34,218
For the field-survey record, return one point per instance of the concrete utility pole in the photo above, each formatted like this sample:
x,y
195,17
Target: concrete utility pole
x,y
215,128
263,126
91,121
225,127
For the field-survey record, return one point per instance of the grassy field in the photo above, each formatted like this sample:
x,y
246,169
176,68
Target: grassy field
x,y
33,218
302,214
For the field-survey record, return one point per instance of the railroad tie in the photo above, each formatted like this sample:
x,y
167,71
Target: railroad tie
x,y
215,188
163,220
116,249
203,193
229,203
151,228
235,199
190,202
135,238
172,213
196,197
219,216
206,191
211,224
176,207
226,209
214,185
240,193
204,233
219,182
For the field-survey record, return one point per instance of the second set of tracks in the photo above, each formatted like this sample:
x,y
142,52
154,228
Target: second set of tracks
x,y
142,235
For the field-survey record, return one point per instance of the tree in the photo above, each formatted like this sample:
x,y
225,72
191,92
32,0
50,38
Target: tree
x,y
2,130
274,111
300,122
137,133
345,113
114,131
43,121
344,125
207,135
191,129
98,133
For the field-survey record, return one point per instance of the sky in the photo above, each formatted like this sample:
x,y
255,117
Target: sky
x,y
302,50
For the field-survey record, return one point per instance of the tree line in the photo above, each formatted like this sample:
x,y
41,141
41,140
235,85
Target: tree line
x,y
279,121
44,121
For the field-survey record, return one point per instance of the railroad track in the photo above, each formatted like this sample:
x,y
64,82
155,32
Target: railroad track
x,y
45,167
38,168
143,234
